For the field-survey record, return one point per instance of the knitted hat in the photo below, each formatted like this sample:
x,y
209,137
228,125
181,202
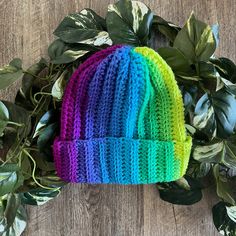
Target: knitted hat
x,y
122,121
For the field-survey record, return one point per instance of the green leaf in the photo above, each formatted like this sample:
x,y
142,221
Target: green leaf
x,y
224,83
215,31
25,166
129,22
30,75
188,99
43,161
20,116
8,141
231,212
206,71
168,29
52,180
225,67
198,169
38,196
208,75
4,114
58,87
10,73
48,118
223,152
225,187
4,117
215,114
56,48
196,40
185,191
83,27
207,153
12,216
232,89
62,53
31,84
175,59
224,224
10,178
46,138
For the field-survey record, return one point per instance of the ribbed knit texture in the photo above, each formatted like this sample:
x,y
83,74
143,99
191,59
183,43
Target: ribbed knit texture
x,y
122,121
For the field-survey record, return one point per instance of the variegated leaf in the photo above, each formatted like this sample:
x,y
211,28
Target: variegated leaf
x,y
204,118
62,53
39,196
196,40
11,178
83,27
224,186
223,152
207,153
215,31
69,56
129,22
231,211
45,120
215,114
13,215
225,67
4,117
58,87
222,221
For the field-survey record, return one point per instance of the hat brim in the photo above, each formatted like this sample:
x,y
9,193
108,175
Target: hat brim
x,y
120,160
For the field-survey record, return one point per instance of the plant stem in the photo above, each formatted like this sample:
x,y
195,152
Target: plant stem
x,y
33,173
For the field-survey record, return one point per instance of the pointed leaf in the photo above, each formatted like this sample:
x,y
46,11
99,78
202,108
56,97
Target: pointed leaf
x,y
83,27
46,138
215,114
58,86
10,178
4,117
225,187
225,67
30,76
196,40
38,196
185,191
198,169
175,59
46,119
19,115
223,152
129,22
215,31
12,216
224,224
168,29
10,73
62,53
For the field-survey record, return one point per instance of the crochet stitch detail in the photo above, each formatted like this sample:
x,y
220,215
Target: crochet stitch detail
x,y
122,121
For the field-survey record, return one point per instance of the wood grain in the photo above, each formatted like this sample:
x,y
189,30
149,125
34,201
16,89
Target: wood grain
x,y
26,28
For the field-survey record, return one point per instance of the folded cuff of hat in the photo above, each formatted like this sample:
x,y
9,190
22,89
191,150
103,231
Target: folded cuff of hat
x,y
121,160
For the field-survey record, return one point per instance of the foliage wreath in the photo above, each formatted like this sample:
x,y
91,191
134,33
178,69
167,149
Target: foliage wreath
x,y
208,84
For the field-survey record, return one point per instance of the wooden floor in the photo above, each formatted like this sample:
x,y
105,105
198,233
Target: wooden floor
x,y
26,28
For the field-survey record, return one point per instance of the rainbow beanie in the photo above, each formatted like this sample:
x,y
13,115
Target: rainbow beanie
x,y
122,121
